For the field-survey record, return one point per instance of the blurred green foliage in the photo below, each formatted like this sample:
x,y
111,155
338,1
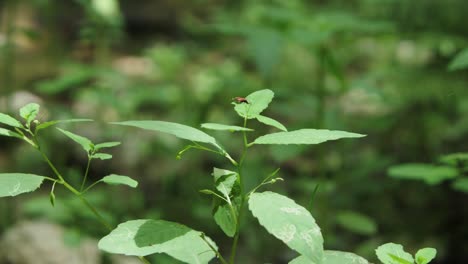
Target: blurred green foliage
x,y
392,69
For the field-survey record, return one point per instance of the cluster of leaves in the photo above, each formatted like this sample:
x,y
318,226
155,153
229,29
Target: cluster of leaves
x,y
282,217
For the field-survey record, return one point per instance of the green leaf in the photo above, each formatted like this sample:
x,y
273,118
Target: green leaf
x,y
8,133
178,130
304,136
52,198
29,112
106,145
271,122
339,257
225,213
257,102
54,122
225,219
392,253
431,174
357,223
84,142
224,180
115,179
9,121
425,255
145,237
289,222
214,126
460,185
12,184
101,156
455,158
460,61
301,260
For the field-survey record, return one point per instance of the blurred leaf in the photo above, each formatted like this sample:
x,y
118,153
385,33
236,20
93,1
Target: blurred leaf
x,y
73,77
8,133
120,180
455,158
339,257
460,61
257,102
101,156
357,223
29,112
425,255
305,136
178,130
54,122
145,237
12,184
289,222
9,121
271,122
106,145
431,174
461,185
214,126
265,46
392,253
84,142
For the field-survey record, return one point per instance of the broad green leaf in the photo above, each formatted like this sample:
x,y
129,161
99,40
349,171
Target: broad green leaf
x,y
119,179
224,180
214,126
356,223
257,102
429,173
8,133
460,184
425,255
101,156
225,218
455,158
145,237
178,130
392,253
12,184
54,122
301,260
460,61
339,257
29,112
271,122
84,142
10,121
304,136
106,145
289,222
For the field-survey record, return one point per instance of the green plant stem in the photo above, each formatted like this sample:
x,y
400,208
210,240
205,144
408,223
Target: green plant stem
x,y
86,173
243,196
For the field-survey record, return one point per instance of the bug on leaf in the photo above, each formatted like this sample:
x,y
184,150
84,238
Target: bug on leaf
x,y
240,100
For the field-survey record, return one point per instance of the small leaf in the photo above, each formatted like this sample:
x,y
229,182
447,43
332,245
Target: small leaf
x,y
12,184
106,145
84,142
271,122
115,179
101,156
178,130
339,257
429,173
54,122
460,61
357,223
289,222
224,180
8,133
425,255
214,126
460,185
9,121
52,198
225,219
305,136
29,112
392,253
145,237
257,102
455,158
207,191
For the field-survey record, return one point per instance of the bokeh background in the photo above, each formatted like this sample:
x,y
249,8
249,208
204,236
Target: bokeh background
x,y
377,67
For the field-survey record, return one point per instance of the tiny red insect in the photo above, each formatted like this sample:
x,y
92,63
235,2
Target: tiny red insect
x,y
240,100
